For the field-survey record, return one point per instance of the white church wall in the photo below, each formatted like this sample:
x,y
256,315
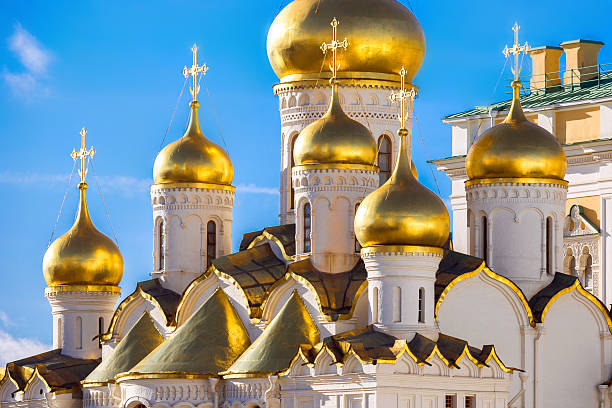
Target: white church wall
x,y
570,354
485,311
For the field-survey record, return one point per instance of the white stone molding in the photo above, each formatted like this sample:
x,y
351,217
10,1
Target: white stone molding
x,y
516,216
333,194
395,280
185,213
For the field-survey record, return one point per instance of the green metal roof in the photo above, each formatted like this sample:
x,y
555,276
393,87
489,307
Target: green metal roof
x,y
600,87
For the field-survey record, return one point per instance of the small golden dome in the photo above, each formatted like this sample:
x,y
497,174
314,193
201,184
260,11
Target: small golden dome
x,y
383,34
402,211
83,255
334,139
193,158
516,148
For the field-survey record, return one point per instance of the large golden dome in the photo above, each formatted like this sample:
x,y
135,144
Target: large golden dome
x,y
402,211
384,36
83,255
516,148
193,158
335,139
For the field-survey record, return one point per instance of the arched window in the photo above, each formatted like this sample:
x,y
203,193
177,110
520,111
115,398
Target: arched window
x,y
211,242
375,305
79,333
569,263
421,305
307,227
100,330
384,158
397,304
549,245
485,239
59,332
357,244
586,270
161,247
292,197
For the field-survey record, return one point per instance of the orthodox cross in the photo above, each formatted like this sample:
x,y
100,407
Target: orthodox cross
x,y
82,154
333,46
402,96
516,51
194,71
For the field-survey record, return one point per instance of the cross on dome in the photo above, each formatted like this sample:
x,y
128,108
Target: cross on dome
x,y
82,154
194,71
333,46
402,96
516,50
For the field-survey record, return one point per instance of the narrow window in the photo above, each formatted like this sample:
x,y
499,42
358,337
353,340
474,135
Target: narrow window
x,y
485,244
421,305
59,332
397,304
549,245
162,249
357,244
211,242
292,197
100,330
384,158
79,333
307,227
470,401
450,401
375,305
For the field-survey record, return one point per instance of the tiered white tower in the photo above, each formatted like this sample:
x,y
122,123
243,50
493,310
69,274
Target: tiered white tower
x,y
192,201
515,188
82,269
402,227
367,76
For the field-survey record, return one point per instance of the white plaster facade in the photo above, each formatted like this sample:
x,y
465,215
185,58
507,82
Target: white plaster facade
x,y
181,218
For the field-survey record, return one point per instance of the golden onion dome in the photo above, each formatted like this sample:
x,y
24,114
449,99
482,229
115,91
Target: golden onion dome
x,y
335,139
83,255
193,158
516,148
384,36
402,211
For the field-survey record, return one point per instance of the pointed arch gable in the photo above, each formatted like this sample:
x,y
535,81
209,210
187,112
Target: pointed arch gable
x,y
36,383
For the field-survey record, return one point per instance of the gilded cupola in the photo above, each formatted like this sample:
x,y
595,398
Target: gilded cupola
x,y
516,149
385,36
193,158
83,255
402,212
335,139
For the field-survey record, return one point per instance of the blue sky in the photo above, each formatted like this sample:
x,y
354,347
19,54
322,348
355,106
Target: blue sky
x,y
114,67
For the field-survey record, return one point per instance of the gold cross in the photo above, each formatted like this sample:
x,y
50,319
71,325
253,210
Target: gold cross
x,y
516,51
82,154
194,71
402,96
333,46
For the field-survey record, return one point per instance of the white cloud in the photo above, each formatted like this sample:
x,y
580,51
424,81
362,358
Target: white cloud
x,y
14,348
35,60
123,185
29,52
4,319
252,188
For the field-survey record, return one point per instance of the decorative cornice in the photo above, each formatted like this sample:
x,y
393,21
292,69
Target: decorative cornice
x,y
193,187
401,250
85,289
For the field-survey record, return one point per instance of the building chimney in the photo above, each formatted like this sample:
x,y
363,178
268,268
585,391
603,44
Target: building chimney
x,y
580,60
545,62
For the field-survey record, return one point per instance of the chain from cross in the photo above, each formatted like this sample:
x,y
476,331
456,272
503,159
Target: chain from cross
x,y
82,154
194,71
333,46
402,96
516,51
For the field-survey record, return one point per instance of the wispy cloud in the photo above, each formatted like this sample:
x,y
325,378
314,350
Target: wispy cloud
x,y
14,348
253,189
124,185
34,58
4,319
